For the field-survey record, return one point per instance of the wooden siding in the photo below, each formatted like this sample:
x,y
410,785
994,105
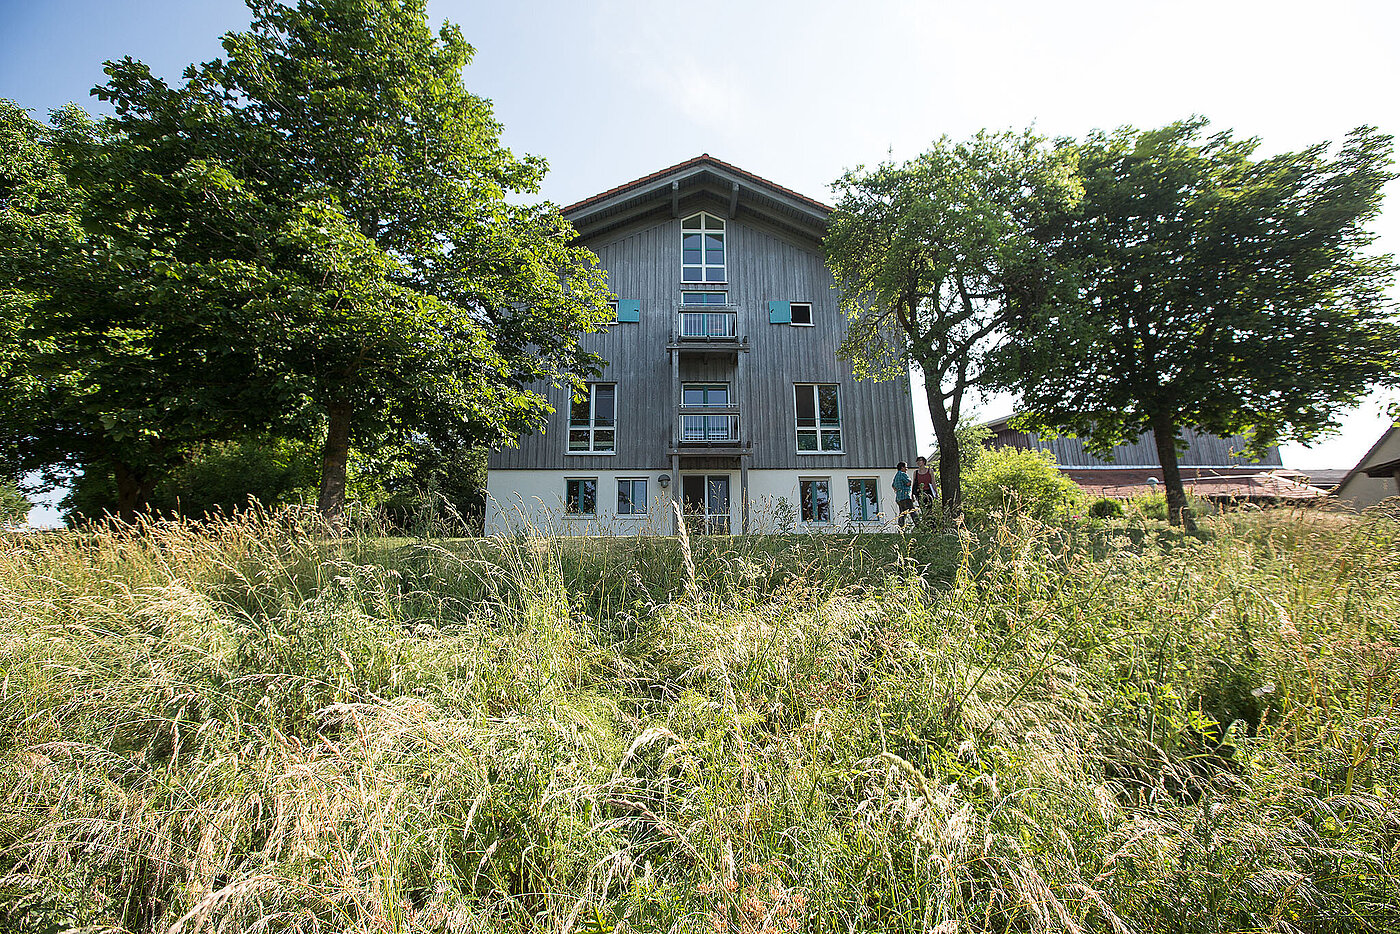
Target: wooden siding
x,y
1202,451
763,264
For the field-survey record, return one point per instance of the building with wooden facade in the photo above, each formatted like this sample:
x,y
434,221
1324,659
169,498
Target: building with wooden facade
x,y
1212,467
723,390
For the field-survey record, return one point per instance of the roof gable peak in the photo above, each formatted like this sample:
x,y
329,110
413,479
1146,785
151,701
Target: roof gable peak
x,y
728,189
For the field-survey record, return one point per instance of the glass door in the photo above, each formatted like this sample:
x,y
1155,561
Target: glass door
x,y
705,500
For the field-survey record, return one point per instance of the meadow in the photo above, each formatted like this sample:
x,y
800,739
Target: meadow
x,y
248,725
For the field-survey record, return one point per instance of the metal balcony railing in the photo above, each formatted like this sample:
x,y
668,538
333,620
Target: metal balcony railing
x,y
709,325
709,427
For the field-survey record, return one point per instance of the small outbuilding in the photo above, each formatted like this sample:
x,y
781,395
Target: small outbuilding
x,y
1376,476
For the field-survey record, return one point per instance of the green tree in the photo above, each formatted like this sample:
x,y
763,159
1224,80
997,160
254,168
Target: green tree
x,y
1203,287
310,236
404,294
925,253
117,363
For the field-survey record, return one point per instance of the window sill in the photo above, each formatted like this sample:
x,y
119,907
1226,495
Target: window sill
x,y
820,453
590,453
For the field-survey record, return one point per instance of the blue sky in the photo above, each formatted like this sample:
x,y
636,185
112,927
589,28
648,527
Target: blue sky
x,y
799,91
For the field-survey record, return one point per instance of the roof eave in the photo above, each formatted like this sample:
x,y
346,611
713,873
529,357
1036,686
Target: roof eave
x,y
662,191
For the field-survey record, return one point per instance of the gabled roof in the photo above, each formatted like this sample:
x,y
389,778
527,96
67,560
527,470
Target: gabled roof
x,y
1361,464
701,183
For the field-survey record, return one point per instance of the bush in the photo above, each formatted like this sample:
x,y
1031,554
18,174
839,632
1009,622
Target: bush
x,y
14,507
1106,507
436,490
1028,481
1151,506
221,476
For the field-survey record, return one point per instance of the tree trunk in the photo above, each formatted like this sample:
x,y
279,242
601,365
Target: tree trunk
x,y
949,457
131,492
331,502
1164,433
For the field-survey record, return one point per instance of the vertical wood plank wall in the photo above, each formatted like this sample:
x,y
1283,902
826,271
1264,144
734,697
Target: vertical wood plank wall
x,y
763,265
1202,451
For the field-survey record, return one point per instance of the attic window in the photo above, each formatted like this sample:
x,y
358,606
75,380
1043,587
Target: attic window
x,y
702,249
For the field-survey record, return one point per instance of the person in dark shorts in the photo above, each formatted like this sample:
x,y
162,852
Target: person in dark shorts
x,y
903,496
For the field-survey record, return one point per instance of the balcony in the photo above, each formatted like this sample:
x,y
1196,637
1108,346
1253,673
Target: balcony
x,y
709,325
709,428
708,329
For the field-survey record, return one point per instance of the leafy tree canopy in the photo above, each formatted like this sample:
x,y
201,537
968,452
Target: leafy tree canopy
x,y
1199,286
312,231
925,252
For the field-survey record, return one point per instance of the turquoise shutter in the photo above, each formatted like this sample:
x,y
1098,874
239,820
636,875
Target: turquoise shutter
x,y
629,309
780,312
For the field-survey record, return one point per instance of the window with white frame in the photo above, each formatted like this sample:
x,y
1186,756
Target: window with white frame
x,y
816,499
801,314
704,298
865,499
581,496
612,307
632,496
818,413
702,249
593,420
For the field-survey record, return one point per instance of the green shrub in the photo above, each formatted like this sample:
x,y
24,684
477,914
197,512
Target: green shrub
x,y
218,477
1027,481
1106,507
1151,506
14,507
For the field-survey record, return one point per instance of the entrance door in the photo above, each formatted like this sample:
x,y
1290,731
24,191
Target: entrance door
x,y
705,498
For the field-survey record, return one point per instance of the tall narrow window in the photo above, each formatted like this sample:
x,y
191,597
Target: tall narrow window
x,y
592,420
702,249
816,499
865,499
818,411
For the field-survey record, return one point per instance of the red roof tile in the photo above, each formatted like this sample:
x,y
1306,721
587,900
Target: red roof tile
x,y
1246,483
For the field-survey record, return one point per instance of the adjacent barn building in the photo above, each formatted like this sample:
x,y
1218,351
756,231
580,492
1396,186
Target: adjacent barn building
x,y
1212,467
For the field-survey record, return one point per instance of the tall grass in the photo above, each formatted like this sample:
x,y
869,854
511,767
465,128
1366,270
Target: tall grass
x,y
248,725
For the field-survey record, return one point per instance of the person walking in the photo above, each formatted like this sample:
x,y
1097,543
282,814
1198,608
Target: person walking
x,y
903,496
923,488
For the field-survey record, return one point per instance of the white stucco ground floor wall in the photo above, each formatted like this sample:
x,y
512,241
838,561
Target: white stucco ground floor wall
x,y
556,502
